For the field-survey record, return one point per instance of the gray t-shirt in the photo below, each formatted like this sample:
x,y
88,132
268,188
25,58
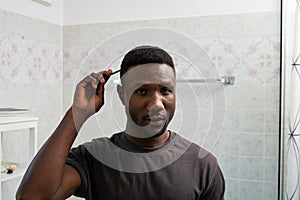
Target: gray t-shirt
x,y
115,169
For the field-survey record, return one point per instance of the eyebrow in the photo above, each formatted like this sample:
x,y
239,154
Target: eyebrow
x,y
164,84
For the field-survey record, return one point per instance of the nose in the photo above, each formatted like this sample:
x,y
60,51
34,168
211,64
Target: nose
x,y
155,104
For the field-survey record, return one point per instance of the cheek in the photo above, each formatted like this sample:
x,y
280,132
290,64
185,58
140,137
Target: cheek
x,y
171,105
134,108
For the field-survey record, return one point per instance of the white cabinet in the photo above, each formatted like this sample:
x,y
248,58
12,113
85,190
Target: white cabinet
x,y
18,123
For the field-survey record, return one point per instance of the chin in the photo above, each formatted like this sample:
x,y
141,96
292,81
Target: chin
x,y
158,133
146,130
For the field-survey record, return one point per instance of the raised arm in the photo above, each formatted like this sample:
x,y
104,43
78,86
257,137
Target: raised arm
x,y
48,177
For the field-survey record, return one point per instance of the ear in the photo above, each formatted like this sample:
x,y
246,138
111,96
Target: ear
x,y
120,90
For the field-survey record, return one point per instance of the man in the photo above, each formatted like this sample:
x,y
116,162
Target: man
x,y
145,161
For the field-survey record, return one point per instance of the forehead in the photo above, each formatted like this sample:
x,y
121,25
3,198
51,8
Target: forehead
x,y
149,73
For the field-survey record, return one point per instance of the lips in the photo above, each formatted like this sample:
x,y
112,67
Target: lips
x,y
157,120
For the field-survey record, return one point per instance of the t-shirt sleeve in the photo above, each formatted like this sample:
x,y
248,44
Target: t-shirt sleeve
x,y
76,159
215,183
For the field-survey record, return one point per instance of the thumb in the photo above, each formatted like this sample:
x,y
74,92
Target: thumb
x,y
103,80
99,95
100,87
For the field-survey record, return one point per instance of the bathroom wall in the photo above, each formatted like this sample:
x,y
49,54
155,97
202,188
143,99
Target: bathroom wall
x,y
52,14
243,45
30,77
246,46
95,11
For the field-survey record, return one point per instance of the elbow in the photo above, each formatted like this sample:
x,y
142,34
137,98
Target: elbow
x,y
33,195
21,198
22,195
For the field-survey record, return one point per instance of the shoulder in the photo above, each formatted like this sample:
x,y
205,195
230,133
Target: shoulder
x,y
101,142
205,166
94,145
197,153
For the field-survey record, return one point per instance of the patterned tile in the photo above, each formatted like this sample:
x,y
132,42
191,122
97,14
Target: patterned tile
x,y
39,72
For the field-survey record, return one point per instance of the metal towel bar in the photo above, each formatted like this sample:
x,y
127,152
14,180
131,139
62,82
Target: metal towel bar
x,y
226,80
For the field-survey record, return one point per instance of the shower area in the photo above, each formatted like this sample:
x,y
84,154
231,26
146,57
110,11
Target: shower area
x,y
231,87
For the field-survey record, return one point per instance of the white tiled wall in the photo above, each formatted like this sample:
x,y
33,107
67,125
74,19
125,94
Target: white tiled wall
x,y
246,46
30,77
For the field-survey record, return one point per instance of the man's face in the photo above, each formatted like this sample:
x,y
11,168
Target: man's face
x,y
148,94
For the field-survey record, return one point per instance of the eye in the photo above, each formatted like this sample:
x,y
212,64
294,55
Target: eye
x,y
141,91
166,90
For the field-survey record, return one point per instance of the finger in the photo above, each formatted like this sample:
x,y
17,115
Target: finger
x,y
93,80
107,74
86,81
97,80
102,77
100,87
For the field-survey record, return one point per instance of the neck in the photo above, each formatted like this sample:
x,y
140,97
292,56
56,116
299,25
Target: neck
x,y
150,142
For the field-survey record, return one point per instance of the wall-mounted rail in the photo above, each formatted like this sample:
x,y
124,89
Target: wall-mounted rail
x,y
226,80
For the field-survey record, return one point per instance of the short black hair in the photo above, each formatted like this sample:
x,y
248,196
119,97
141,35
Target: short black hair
x,y
144,55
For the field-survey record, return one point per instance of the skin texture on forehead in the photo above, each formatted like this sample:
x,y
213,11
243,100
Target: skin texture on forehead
x,y
149,73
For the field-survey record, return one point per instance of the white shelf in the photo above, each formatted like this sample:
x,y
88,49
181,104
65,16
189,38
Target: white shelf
x,y
16,123
16,119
